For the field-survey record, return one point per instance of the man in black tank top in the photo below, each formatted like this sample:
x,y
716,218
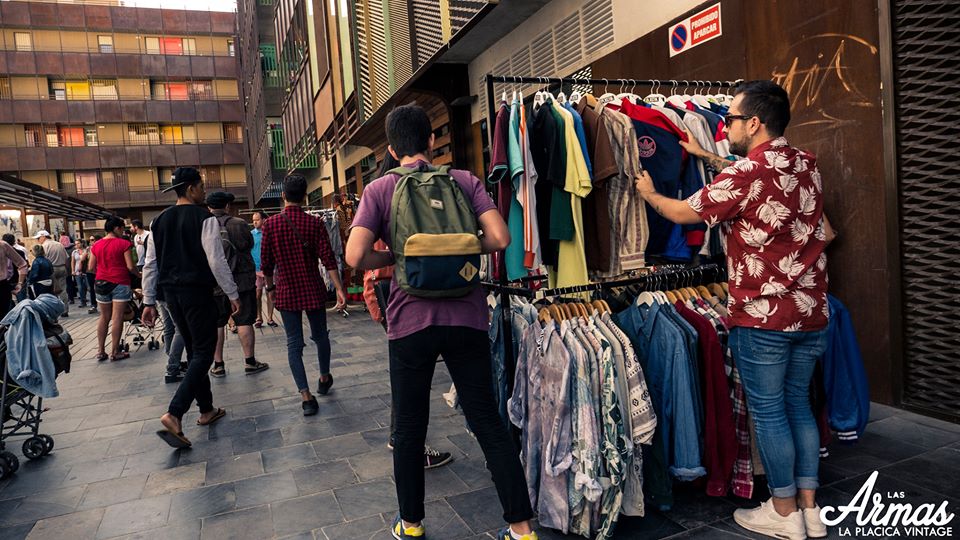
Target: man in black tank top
x,y
185,259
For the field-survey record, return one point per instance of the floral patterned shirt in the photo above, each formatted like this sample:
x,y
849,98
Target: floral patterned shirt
x,y
771,209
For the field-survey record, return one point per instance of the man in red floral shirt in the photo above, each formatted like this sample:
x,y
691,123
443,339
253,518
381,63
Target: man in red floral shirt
x,y
293,242
770,208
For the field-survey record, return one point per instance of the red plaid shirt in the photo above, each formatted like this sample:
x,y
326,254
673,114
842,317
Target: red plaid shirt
x,y
297,274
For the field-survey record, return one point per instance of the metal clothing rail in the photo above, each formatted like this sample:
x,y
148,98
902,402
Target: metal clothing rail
x,y
503,286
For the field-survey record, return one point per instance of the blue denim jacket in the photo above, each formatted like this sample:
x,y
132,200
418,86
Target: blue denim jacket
x,y
671,380
28,359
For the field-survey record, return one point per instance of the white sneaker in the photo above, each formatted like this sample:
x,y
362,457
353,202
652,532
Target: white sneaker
x,y
815,526
765,520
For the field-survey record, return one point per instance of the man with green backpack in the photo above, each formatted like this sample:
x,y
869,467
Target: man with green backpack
x,y
431,218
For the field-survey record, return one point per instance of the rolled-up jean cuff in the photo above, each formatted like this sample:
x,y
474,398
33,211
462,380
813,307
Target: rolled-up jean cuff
x,y
688,474
807,482
784,492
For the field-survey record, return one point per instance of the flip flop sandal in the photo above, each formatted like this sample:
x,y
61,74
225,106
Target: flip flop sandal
x,y
120,356
218,370
272,324
258,324
175,440
218,415
102,357
250,369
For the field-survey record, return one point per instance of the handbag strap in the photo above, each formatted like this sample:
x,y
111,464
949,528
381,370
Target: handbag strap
x,y
296,234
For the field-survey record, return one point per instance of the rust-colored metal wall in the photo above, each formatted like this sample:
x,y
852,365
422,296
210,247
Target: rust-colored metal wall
x,y
826,54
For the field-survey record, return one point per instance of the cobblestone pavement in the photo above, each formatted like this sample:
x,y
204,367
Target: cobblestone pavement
x,y
265,471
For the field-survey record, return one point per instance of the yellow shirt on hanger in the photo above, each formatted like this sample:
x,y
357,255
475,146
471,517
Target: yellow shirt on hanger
x,y
572,263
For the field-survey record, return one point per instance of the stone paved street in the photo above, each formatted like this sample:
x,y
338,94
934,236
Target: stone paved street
x,y
265,471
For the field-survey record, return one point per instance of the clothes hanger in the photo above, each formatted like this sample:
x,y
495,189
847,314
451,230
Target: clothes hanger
x,y
599,305
726,288
606,97
557,313
700,99
655,98
544,315
627,95
575,97
674,99
717,291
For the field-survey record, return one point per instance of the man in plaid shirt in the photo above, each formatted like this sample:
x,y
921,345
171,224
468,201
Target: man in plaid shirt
x,y
292,243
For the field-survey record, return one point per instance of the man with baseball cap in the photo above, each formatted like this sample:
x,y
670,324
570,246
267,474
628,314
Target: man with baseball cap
x,y
57,255
185,262
238,243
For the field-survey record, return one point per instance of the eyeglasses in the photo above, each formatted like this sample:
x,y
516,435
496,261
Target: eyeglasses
x,y
731,117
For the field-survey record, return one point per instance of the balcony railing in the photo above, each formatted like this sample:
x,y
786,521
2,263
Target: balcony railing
x,y
124,97
117,142
107,50
278,158
146,196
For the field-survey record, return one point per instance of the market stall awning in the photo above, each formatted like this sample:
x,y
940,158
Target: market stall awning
x,y
20,193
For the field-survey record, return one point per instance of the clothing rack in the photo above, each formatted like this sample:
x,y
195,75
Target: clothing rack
x,y
504,287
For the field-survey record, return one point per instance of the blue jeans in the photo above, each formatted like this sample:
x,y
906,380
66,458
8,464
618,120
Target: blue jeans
x,y
293,327
82,288
776,368
172,340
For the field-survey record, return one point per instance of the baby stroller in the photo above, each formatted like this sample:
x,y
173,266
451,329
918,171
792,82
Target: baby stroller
x,y
136,332
20,411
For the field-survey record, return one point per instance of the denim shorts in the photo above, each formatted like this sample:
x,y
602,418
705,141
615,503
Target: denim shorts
x,y
120,293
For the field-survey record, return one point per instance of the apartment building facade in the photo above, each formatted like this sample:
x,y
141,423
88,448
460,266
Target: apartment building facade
x,y
103,102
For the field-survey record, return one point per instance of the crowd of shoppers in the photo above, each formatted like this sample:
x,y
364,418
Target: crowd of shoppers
x,y
202,266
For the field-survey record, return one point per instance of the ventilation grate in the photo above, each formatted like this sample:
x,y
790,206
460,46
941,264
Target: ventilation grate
x,y
926,46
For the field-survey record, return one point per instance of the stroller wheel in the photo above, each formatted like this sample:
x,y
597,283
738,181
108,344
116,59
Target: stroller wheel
x,y
4,469
33,448
11,462
47,443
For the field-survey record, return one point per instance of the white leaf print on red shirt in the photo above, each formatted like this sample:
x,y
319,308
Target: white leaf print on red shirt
x,y
787,183
789,265
754,264
773,212
808,201
755,238
800,231
759,309
756,188
722,191
772,288
804,302
776,160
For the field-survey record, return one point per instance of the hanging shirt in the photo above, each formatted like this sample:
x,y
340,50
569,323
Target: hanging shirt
x,y
629,232
514,254
658,140
549,157
499,172
527,195
771,207
596,215
572,263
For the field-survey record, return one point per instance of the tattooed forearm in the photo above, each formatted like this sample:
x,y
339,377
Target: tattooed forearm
x,y
716,162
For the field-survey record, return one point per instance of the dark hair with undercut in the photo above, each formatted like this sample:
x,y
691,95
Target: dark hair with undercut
x,y
408,130
137,223
112,223
10,239
295,188
769,102
263,214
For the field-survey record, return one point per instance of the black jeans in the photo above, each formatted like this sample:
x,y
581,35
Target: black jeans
x,y
467,354
195,316
6,297
91,280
